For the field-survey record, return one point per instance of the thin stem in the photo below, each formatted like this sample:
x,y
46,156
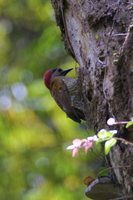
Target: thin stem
x,y
123,140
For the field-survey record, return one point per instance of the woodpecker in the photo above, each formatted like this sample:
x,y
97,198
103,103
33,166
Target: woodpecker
x,y
65,91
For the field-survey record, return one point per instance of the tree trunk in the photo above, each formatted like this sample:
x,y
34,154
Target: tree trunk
x,y
99,36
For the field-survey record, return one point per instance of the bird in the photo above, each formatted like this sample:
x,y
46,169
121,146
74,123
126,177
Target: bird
x,y
66,92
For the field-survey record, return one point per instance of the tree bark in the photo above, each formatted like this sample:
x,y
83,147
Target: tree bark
x,y
99,36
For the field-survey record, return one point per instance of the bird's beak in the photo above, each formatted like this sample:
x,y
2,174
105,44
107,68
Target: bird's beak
x,y
64,72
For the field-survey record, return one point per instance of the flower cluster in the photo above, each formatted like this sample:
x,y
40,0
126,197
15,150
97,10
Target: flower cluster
x,y
86,144
102,136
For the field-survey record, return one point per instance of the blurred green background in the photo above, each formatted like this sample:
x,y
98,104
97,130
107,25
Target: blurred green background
x,y
34,132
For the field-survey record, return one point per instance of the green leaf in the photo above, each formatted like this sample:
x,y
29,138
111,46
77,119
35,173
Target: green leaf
x,y
105,135
129,124
109,144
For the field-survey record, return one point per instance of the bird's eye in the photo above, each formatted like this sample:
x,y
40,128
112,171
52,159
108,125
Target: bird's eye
x,y
54,70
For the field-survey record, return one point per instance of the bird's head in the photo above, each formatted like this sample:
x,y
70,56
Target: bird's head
x,y
52,73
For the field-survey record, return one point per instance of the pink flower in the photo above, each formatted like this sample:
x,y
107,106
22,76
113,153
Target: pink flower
x,y
88,145
75,147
